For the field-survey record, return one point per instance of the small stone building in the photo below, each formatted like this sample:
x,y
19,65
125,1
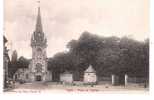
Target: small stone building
x,y
90,75
21,75
66,77
24,75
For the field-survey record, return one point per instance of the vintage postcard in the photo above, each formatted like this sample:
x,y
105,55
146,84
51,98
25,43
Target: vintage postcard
x,y
65,46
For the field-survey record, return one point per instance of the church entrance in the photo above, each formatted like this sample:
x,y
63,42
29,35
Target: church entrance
x,y
38,78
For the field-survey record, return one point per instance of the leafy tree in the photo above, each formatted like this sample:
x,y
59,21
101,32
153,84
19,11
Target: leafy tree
x,y
14,56
108,55
15,65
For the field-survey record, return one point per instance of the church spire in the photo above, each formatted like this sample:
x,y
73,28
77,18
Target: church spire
x,y
38,38
39,28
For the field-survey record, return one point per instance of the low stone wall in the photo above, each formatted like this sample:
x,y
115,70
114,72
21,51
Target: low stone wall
x,y
130,80
136,80
104,80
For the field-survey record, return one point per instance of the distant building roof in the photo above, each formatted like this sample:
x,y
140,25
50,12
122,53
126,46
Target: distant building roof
x,y
90,69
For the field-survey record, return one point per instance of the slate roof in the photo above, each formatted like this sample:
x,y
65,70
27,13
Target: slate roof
x,y
90,69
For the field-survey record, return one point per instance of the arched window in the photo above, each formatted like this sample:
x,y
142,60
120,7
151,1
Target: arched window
x,y
38,67
39,50
39,53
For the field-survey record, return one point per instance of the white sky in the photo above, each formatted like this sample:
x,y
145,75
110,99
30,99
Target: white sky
x,y
64,20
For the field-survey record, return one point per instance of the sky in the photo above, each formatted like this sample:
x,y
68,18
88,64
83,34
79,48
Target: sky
x,y
64,20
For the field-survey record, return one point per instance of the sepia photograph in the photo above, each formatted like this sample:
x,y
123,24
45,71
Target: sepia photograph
x,y
76,46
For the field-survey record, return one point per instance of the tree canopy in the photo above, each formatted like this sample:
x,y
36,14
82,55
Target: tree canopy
x,y
108,55
15,64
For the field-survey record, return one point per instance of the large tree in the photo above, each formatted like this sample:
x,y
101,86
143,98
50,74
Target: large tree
x,y
108,55
14,56
22,62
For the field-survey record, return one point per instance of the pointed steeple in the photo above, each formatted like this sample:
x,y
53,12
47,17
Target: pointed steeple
x,y
39,28
90,69
38,37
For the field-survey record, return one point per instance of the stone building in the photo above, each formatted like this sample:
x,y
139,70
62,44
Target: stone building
x,y
66,77
22,75
38,65
90,75
37,69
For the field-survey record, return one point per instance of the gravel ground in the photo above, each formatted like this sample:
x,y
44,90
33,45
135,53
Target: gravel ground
x,y
59,88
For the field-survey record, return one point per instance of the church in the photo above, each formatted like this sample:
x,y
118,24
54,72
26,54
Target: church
x,y
37,69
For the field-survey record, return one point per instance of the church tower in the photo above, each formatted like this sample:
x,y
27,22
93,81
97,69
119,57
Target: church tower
x,y
38,65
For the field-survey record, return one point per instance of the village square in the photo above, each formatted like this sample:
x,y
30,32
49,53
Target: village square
x,y
92,64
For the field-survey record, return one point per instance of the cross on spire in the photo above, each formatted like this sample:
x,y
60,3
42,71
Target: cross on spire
x,y
39,28
38,3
